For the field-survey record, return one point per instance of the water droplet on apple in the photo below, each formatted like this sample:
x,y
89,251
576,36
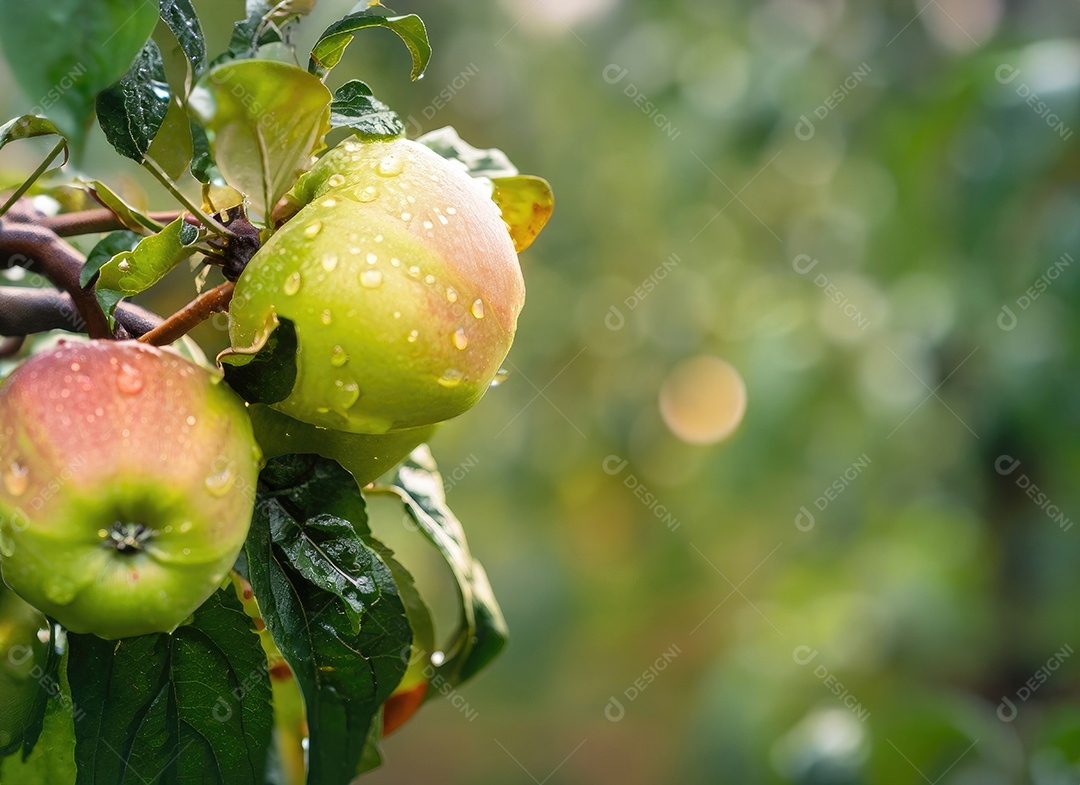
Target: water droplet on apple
x,y
371,258
406,217
292,283
451,294
478,308
368,194
313,228
16,479
371,279
60,590
336,180
395,262
338,357
347,393
413,335
391,166
329,202
460,339
329,262
428,225
451,377
500,377
414,271
128,380
219,483
429,279
327,316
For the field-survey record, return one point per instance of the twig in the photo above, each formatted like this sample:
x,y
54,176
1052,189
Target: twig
x,y
198,310
94,221
162,176
10,345
40,250
24,311
34,176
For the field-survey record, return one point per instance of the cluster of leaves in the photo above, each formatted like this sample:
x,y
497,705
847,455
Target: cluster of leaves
x,y
319,614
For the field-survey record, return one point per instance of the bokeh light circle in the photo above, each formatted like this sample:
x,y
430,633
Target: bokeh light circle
x,y
703,400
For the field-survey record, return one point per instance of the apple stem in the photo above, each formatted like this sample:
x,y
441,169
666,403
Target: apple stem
x,y
40,250
198,310
162,177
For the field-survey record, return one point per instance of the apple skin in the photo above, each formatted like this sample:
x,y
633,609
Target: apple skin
x,y
22,650
365,456
403,284
103,439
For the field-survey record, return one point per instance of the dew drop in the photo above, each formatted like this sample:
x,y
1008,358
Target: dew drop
x,y
500,377
368,194
347,393
391,166
292,283
371,279
313,228
451,377
414,271
338,357
124,266
406,216
218,483
397,314
429,225
451,294
451,211
371,258
7,546
190,420
327,316
413,335
128,380
329,261
59,590
478,308
443,220
336,180
429,279
460,339
16,479
395,262
76,367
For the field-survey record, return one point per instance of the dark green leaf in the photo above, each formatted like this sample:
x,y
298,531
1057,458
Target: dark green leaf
x,y
354,106
132,110
266,374
193,706
264,120
333,609
62,67
107,247
334,39
202,162
53,757
183,21
482,633
265,23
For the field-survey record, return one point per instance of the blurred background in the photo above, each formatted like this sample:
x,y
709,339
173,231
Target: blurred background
x,y
780,487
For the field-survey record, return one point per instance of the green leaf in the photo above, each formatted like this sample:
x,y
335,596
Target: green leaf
x,y
183,21
265,23
134,271
331,605
266,373
334,39
526,203
129,216
265,120
106,248
53,757
132,110
172,148
203,166
27,127
355,107
491,163
191,706
482,632
64,52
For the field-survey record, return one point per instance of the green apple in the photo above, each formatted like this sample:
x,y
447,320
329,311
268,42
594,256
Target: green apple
x,y
127,483
402,282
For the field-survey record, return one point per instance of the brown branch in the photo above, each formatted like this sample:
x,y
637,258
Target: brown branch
x,y
38,249
198,310
94,221
24,311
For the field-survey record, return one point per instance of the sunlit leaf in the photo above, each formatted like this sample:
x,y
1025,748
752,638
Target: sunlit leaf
x,y
134,271
526,203
27,127
355,107
265,120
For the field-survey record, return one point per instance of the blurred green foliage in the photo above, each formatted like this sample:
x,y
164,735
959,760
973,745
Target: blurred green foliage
x,y
921,625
